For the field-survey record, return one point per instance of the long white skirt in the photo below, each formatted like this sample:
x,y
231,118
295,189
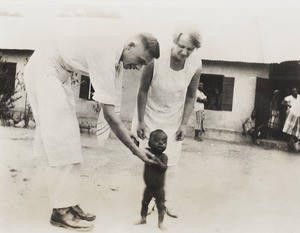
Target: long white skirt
x,y
173,150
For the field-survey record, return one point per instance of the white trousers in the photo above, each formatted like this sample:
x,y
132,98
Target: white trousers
x,y
64,185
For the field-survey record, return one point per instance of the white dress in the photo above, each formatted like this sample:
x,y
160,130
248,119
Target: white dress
x,y
165,101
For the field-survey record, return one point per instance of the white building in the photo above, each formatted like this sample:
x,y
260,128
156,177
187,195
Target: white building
x,y
236,59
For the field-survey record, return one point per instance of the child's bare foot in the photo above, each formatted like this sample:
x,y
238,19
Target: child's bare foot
x,y
161,226
142,221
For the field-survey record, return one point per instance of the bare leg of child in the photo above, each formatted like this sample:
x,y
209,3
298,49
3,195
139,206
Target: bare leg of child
x,y
160,203
160,221
161,214
145,202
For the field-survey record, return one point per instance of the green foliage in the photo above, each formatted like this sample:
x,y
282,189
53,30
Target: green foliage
x,y
6,102
5,107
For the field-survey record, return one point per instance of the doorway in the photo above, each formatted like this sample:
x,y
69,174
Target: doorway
x,y
263,96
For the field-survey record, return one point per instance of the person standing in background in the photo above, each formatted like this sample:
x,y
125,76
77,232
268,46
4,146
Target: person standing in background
x,y
200,114
274,113
292,122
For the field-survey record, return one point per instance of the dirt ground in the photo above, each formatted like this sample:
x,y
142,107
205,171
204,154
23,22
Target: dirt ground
x,y
223,187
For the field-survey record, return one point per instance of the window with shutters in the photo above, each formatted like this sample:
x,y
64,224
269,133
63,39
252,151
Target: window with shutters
x,y
7,79
86,88
219,91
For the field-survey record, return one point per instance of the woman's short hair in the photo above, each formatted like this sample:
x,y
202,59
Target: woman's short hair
x,y
193,34
150,43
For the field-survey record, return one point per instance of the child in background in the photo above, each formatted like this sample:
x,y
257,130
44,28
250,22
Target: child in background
x,y
274,114
249,128
154,177
199,109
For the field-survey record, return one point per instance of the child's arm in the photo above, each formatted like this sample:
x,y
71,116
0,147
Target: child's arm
x,y
243,125
162,163
201,100
246,120
285,103
204,100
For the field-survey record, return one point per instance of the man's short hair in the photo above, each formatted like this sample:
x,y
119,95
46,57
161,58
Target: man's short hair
x,y
150,44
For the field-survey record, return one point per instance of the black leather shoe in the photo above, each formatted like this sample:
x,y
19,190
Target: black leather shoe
x,y
65,218
84,216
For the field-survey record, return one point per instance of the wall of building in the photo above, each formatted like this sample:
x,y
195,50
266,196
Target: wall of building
x,y
84,109
244,92
20,58
243,101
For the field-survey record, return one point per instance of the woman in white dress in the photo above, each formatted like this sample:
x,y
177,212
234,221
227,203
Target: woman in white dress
x,y
167,95
292,122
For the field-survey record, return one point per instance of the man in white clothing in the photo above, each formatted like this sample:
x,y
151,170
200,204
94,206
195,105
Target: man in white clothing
x,y
47,80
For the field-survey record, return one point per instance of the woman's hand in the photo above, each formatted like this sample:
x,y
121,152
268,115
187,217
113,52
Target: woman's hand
x,y
181,132
141,130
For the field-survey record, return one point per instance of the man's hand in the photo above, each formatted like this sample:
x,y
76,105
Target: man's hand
x,y
181,132
141,130
134,138
146,156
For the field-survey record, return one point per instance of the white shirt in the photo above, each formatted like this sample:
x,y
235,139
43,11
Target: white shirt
x,y
101,63
199,106
295,104
166,99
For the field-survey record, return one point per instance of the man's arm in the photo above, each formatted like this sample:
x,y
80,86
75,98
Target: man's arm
x,y
188,105
124,134
142,98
